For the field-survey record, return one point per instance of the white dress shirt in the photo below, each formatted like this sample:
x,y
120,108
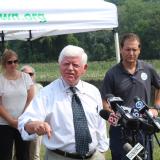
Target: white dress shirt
x,y
53,105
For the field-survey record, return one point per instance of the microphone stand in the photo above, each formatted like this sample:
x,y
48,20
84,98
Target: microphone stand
x,y
157,140
150,146
149,138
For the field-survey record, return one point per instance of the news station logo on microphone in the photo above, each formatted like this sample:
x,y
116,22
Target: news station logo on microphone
x,y
140,105
135,112
111,117
132,152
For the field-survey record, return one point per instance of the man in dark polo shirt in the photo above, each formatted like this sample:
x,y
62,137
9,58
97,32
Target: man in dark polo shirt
x,y
130,78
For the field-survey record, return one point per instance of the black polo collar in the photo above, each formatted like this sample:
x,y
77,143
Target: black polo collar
x,y
139,66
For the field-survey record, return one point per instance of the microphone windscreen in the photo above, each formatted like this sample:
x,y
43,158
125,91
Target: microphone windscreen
x,y
127,147
133,124
136,98
146,127
104,114
107,96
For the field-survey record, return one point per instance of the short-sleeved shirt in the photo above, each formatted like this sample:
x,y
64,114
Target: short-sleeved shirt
x,y
122,84
14,94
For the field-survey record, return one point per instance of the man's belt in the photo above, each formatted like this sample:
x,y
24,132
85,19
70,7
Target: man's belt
x,y
72,155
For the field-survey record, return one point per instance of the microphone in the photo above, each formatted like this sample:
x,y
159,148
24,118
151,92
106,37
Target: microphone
x,y
145,126
109,116
142,107
133,151
135,112
104,114
126,120
116,104
114,101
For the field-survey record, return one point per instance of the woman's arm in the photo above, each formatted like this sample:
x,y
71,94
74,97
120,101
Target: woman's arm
x,y
4,114
30,95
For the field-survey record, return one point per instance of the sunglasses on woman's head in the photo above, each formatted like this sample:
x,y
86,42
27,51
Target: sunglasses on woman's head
x,y
11,62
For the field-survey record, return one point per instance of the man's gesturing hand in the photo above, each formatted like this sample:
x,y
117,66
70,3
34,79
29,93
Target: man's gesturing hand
x,y
38,127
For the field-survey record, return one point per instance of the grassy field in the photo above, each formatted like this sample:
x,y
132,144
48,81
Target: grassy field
x,y
156,151
47,72
50,71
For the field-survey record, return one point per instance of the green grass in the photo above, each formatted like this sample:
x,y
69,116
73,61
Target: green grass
x,y
156,155
47,72
96,70
50,71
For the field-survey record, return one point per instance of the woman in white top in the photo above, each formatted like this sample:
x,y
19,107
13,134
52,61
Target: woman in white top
x,y
16,92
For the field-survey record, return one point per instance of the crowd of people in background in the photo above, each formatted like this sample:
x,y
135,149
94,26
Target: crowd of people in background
x,y
65,113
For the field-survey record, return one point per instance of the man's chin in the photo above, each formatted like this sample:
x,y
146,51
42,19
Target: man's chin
x,y
131,60
71,82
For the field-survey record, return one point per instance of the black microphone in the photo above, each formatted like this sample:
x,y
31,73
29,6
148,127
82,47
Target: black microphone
x,y
113,101
109,116
145,126
126,120
136,111
116,105
132,152
142,107
104,114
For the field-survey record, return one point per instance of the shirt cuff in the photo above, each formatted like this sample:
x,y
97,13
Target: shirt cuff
x,y
25,135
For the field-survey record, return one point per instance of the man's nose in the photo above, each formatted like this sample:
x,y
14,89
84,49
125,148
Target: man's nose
x,y
70,67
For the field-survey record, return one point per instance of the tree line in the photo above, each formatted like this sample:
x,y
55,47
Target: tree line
x,y
139,16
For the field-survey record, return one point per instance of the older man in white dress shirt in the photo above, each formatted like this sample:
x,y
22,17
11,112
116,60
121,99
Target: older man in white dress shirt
x,y
50,112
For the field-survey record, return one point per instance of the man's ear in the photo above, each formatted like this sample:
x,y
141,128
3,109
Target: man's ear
x,y
85,68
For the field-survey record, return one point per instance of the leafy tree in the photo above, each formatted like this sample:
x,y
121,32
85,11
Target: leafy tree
x,y
143,18
99,45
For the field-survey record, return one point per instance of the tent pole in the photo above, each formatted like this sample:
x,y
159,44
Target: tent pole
x,y
116,38
30,51
2,41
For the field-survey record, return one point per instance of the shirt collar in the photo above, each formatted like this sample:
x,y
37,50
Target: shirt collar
x,y
79,86
139,66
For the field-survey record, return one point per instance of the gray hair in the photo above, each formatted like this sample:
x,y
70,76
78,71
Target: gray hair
x,y
27,66
73,51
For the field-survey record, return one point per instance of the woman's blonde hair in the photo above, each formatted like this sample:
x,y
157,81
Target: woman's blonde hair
x,y
7,54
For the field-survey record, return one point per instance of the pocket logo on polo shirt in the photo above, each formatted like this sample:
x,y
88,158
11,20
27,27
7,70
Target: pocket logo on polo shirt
x,y
144,76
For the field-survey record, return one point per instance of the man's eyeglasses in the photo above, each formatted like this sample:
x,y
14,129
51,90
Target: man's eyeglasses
x,y
11,62
31,74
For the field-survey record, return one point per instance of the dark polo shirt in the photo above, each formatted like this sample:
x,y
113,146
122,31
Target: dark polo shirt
x,y
122,84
